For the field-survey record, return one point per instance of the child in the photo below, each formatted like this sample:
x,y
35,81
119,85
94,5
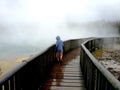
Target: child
x,y
59,49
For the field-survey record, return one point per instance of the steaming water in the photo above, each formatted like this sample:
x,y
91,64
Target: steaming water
x,y
30,26
19,46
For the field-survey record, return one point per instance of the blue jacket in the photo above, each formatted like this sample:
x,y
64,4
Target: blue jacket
x,y
59,44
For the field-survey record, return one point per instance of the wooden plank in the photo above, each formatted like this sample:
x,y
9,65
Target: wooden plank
x,y
73,74
71,78
67,74
65,80
65,84
64,88
72,69
72,81
66,70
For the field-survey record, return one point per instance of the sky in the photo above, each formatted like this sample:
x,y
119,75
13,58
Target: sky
x,y
38,22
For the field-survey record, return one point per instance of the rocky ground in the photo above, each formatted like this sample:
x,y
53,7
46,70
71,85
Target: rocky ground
x,y
109,58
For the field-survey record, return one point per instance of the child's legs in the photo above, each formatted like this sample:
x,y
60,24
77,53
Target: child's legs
x,y
59,55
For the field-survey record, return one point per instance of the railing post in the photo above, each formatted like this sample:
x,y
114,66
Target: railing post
x,y
6,85
12,83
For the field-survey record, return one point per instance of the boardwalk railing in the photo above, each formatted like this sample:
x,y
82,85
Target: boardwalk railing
x,y
96,76
31,73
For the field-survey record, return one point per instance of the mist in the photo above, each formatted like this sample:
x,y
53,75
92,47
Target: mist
x,y
30,26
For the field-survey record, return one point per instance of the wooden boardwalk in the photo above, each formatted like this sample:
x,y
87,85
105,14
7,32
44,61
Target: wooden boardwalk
x,y
66,76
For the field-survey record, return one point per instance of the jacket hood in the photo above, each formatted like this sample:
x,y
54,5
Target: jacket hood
x,y
58,37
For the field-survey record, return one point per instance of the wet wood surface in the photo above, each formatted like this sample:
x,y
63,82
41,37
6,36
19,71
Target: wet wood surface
x,y
66,76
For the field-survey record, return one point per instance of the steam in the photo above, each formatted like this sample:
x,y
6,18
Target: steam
x,y
36,23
